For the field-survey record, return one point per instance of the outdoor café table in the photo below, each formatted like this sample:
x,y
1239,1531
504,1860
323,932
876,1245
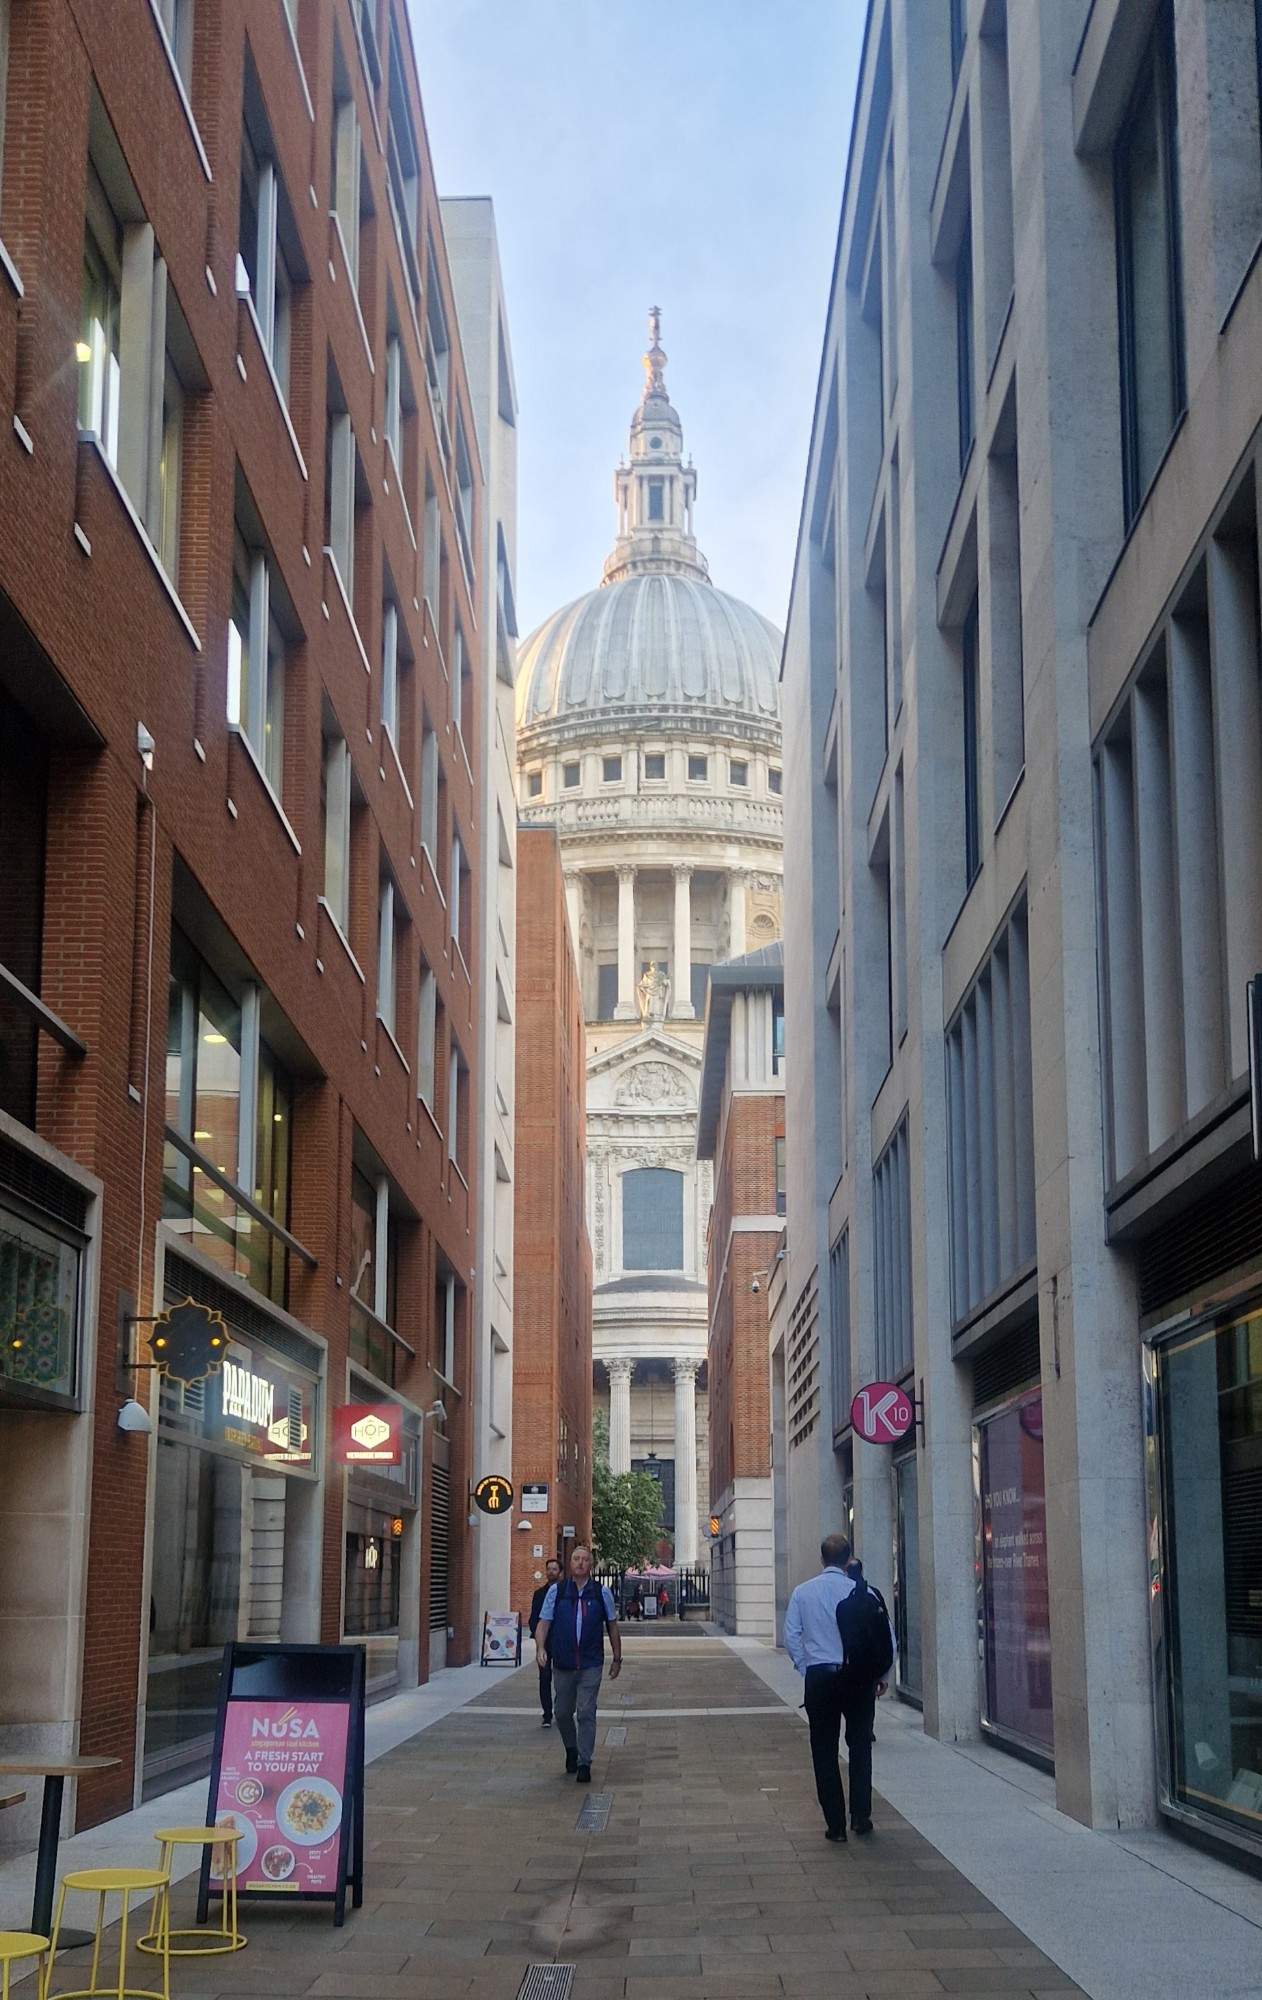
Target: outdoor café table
x,y
54,1775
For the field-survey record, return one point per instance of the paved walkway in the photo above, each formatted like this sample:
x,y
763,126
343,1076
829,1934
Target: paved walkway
x,y
712,1879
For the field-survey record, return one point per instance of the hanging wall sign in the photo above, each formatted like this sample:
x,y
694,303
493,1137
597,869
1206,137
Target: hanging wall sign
x,y
494,1494
882,1413
368,1434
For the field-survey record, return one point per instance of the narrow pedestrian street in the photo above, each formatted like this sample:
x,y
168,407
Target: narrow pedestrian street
x,y
711,1877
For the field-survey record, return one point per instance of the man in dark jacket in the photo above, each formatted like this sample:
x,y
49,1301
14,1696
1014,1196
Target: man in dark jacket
x,y
553,1574
572,1624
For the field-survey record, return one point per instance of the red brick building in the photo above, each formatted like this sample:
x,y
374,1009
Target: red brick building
x,y
552,1258
741,1129
240,682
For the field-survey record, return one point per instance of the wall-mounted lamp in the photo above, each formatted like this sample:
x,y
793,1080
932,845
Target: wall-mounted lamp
x,y
134,1417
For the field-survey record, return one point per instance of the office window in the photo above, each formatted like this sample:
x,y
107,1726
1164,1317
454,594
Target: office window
x,y
891,1200
775,782
655,766
611,770
461,682
1150,298
176,17
460,901
430,786
394,398
387,956
437,342
335,824
738,771
256,649
404,163
781,1182
432,551
390,669
345,165
698,770
606,989
839,1328
972,748
534,784
990,1126
457,1109
263,268
100,368
427,1037
340,488
964,345
464,497
777,1034
570,774
652,1220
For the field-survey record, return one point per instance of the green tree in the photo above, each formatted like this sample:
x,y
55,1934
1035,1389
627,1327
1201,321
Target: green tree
x,y
626,1508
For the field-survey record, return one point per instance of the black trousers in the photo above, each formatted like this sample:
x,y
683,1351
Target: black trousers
x,y
830,1701
545,1691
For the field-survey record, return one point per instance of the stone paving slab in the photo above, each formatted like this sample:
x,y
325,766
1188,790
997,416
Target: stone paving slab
x,y
713,1881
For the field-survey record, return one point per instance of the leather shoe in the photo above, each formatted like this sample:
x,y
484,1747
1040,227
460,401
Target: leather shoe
x,y
835,1833
584,1774
571,1760
861,1825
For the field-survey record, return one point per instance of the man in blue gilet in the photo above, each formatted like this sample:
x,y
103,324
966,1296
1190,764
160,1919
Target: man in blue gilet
x,y
575,1616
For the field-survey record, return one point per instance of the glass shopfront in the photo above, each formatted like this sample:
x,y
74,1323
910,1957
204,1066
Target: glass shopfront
x,y
235,1469
909,1666
1015,1632
1205,1484
381,1538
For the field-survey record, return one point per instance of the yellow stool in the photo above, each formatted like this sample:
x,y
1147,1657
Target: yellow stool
x,y
204,1943
124,1882
23,1944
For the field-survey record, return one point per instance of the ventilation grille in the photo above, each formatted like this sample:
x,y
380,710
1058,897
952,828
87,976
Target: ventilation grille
x,y
547,1982
439,1545
1012,1363
41,1186
1213,1236
185,1280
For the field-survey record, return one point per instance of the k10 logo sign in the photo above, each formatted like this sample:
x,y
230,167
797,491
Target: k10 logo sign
x,y
882,1413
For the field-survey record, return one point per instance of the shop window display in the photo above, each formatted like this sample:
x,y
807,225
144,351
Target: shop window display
x,y
1014,1610
1207,1569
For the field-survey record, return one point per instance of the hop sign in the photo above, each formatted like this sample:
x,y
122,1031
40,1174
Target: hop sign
x,y
494,1494
189,1342
882,1413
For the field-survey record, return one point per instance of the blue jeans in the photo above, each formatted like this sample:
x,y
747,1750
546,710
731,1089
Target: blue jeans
x,y
574,1691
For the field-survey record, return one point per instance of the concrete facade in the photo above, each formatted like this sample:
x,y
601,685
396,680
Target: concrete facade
x,y
741,1131
1019,672
469,228
552,1353
241,501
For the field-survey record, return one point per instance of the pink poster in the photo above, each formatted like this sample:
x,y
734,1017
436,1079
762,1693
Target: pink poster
x,y
281,1780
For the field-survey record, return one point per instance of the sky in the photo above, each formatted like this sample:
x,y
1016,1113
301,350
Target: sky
x,y
688,154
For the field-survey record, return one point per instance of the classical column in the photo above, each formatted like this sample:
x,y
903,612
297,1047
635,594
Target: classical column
x,y
626,1007
620,1413
736,915
681,960
574,904
685,1462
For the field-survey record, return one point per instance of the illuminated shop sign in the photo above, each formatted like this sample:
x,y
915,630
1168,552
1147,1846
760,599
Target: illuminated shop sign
x,y
256,1406
368,1434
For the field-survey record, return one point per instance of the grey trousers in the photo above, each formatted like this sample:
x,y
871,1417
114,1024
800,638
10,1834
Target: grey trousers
x,y
576,1688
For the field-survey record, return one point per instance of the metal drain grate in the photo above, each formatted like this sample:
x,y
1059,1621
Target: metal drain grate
x,y
547,1982
617,1736
594,1817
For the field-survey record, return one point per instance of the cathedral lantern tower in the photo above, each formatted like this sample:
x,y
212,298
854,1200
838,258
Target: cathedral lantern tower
x,y
648,734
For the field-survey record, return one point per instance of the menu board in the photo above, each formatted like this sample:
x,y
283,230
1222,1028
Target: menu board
x,y
288,1773
501,1639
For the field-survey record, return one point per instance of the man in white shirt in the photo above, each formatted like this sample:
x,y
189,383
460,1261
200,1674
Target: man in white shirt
x,y
813,1642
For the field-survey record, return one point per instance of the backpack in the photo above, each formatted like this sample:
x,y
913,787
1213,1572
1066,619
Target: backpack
x,y
864,1625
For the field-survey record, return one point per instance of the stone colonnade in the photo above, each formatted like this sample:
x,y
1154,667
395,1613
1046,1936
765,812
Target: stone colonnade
x,y
681,1008
620,1370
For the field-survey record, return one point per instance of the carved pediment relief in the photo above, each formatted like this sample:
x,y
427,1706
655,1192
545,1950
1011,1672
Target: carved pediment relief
x,y
653,1083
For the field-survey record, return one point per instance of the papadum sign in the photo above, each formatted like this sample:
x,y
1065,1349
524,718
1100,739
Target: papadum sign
x,y
882,1413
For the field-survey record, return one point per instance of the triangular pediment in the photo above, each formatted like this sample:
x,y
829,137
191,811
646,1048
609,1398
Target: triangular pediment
x,y
652,1044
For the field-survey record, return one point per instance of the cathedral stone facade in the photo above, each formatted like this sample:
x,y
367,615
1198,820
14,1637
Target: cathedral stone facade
x,y
648,733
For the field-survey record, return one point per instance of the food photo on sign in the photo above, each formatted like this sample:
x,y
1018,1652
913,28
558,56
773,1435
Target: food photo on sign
x,y
281,1775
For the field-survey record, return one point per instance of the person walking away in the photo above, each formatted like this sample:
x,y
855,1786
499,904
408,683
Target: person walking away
x,y
552,1572
663,1602
842,1683
636,1607
573,1620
